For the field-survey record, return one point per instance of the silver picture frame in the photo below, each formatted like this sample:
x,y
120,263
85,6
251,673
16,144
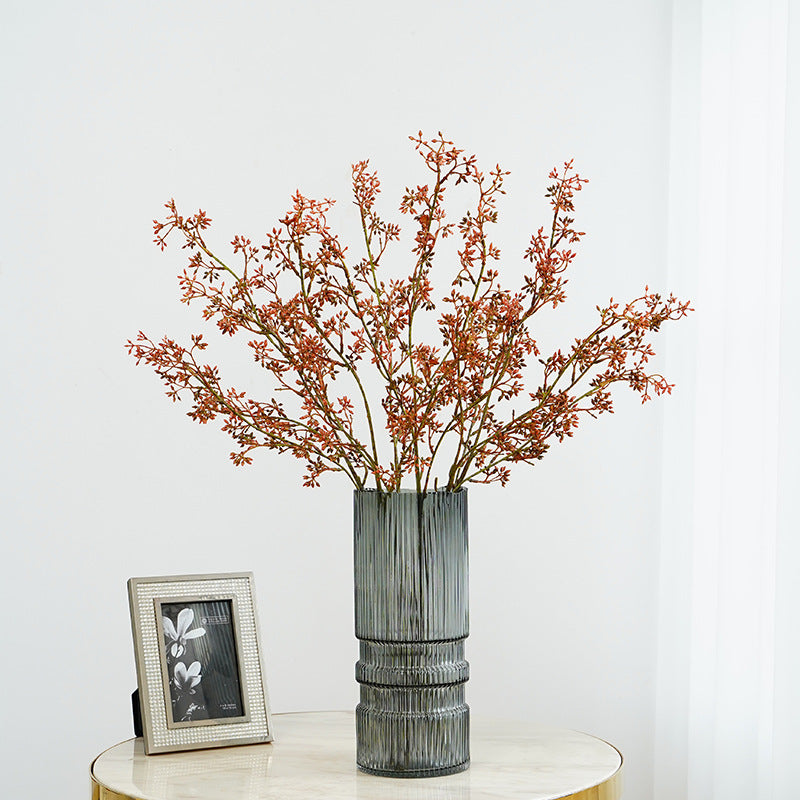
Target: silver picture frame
x,y
199,663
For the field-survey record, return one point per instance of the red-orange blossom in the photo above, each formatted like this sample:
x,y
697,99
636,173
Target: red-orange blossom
x,y
317,320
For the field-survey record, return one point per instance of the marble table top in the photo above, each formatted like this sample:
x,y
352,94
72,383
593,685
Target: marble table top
x,y
313,755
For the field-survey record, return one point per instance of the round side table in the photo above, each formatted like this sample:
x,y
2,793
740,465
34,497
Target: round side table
x,y
313,756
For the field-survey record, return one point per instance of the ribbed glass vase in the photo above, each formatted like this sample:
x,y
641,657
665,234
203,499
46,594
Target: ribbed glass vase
x,y
412,617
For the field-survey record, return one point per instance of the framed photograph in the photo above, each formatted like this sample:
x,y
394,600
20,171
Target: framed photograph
x,y
198,661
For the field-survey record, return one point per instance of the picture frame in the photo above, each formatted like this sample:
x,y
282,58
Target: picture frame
x,y
199,664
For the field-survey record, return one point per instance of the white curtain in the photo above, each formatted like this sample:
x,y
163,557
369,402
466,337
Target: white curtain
x,y
729,652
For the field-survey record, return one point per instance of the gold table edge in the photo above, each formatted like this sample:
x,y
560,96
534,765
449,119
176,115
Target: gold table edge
x,y
609,789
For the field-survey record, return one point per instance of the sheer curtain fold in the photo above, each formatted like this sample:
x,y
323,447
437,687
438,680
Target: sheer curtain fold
x,y
720,521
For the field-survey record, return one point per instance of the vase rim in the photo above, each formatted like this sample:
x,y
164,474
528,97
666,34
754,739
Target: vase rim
x,y
410,491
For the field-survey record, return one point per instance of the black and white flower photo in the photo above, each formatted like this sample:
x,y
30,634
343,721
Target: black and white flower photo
x,y
201,661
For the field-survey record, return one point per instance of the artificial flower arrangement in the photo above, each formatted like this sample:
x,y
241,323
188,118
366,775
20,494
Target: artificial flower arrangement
x,y
448,412
362,386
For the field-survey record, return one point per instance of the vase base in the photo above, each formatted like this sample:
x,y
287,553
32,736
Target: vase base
x,y
412,744
416,773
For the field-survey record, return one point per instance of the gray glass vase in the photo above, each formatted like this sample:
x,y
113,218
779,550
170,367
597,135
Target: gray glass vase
x,y
412,617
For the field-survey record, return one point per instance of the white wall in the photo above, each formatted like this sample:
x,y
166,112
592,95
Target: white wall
x,y
110,109
787,633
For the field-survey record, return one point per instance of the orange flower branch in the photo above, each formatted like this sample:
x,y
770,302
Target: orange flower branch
x,y
315,319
